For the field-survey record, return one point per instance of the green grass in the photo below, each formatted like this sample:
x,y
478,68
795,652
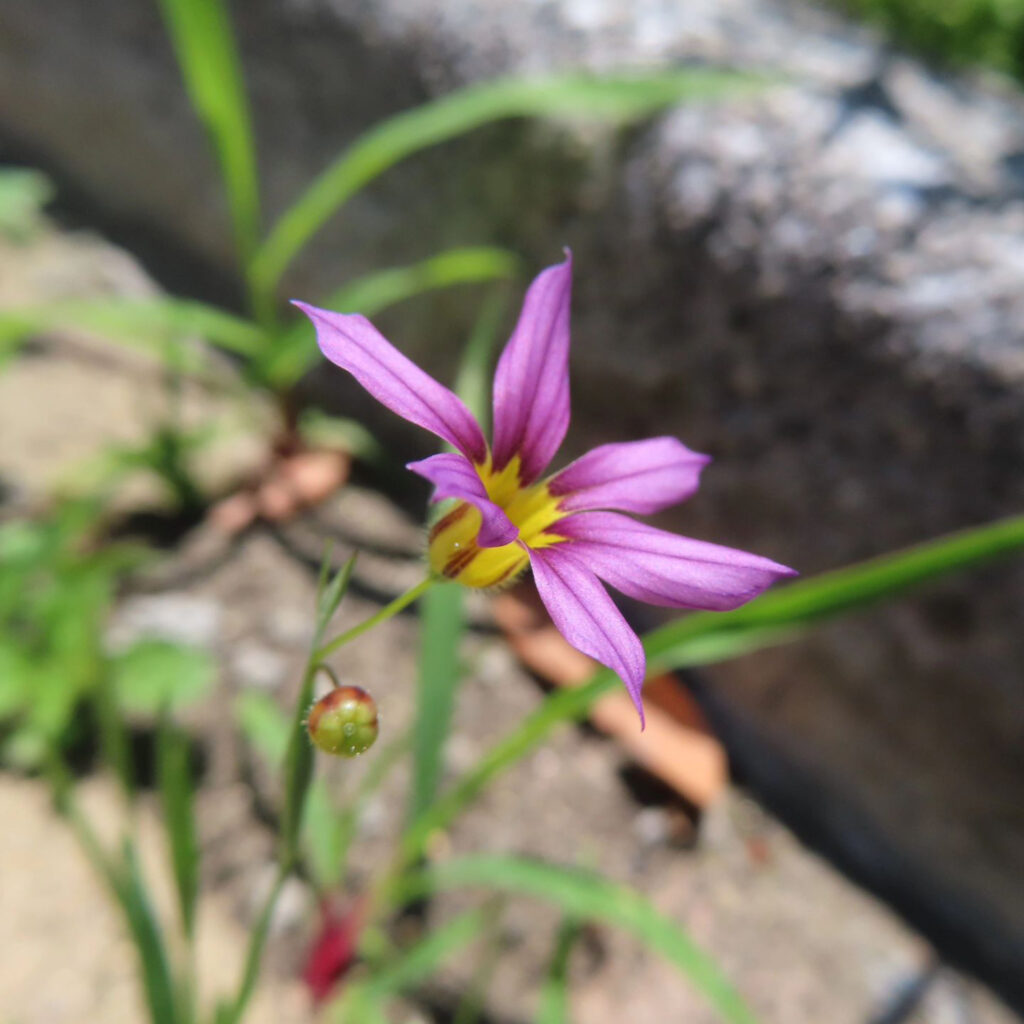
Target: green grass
x,y
989,33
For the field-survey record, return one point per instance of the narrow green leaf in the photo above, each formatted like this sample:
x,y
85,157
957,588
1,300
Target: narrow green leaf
x,y
126,886
329,861
781,614
174,773
298,766
295,351
411,966
158,982
554,996
210,65
771,619
114,739
590,897
144,322
619,98
331,596
439,672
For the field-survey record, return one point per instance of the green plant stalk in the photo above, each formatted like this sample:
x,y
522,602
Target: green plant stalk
x,y
114,738
211,68
438,678
257,941
387,612
125,885
299,765
554,996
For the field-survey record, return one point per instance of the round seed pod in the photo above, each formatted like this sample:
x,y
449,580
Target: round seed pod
x,y
344,722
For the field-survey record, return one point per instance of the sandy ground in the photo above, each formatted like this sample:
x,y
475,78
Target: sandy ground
x,y
801,943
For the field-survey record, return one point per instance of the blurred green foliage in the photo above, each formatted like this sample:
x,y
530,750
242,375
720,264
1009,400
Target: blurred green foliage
x,y
963,32
23,194
55,594
57,587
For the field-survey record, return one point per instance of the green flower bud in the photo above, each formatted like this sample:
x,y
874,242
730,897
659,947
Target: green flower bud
x,y
344,722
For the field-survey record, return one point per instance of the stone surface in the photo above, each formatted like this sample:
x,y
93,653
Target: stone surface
x,y
820,284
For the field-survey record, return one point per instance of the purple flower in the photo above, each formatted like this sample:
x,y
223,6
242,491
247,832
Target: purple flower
x,y
569,526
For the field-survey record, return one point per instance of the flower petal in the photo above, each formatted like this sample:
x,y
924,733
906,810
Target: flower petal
x,y
637,476
454,477
663,568
353,343
587,617
531,383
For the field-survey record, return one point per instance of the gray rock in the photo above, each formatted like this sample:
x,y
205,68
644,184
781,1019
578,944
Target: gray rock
x,y
178,618
821,284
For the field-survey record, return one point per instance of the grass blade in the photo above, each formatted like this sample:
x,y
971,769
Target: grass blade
x,y
363,1001
210,65
438,676
704,637
781,614
620,98
298,763
554,996
589,897
174,773
138,321
158,981
295,351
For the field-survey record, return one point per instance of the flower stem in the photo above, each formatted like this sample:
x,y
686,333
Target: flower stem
x,y
257,941
400,602
298,772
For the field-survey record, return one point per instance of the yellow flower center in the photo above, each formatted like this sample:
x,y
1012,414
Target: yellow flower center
x,y
454,552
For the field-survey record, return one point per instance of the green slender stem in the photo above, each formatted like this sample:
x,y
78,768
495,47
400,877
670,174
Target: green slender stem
x,y
256,944
400,602
64,797
298,771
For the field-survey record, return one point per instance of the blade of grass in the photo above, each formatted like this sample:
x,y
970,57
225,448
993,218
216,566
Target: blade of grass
x,y
620,98
298,773
295,351
158,982
554,996
771,619
590,897
412,965
174,773
783,613
298,767
439,672
138,321
125,884
212,71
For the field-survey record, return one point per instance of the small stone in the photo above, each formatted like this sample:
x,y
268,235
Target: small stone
x,y
176,618
257,667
